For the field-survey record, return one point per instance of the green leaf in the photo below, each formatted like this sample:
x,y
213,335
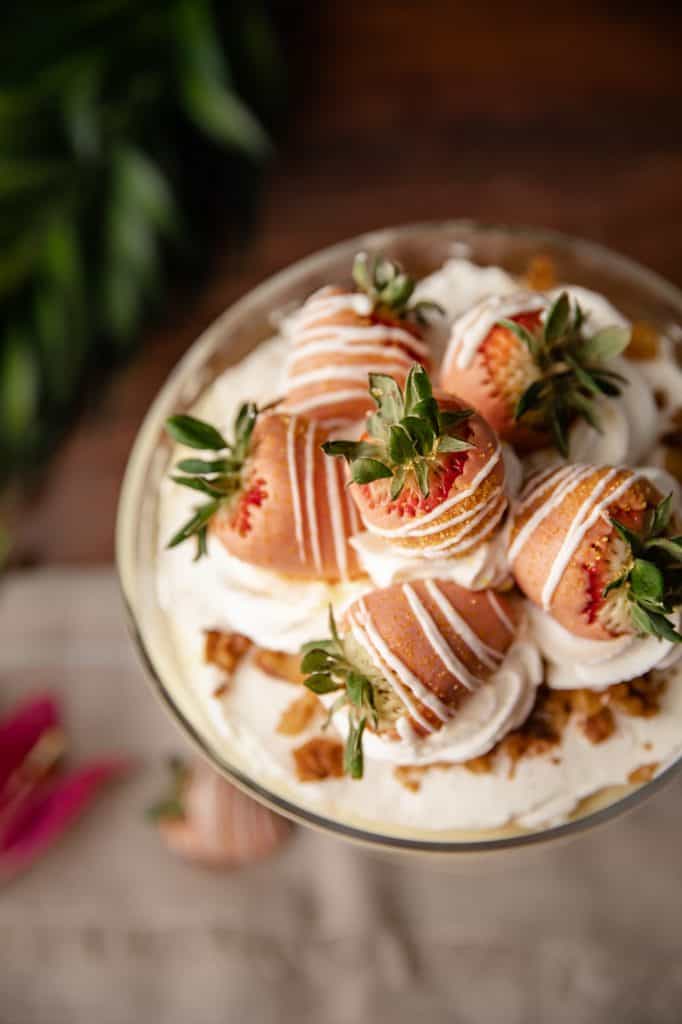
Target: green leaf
x,y
322,682
353,759
605,344
646,580
361,273
18,388
417,387
672,546
364,471
654,623
557,423
315,660
358,688
662,515
615,584
334,633
421,471
453,444
398,483
386,393
196,484
195,433
220,113
522,334
629,536
450,418
200,467
202,543
421,432
400,446
583,376
531,398
243,428
557,319
195,524
586,408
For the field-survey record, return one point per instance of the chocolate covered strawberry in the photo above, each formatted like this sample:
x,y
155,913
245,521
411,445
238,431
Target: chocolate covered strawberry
x,y
338,337
408,656
594,548
208,821
529,367
272,498
429,476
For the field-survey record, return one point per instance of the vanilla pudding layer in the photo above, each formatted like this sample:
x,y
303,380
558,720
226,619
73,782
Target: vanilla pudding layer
x,y
221,592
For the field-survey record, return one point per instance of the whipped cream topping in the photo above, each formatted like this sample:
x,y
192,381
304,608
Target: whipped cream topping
x,y
222,592
575,661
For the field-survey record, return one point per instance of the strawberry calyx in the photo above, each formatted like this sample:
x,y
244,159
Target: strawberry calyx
x,y
219,479
409,435
652,575
171,806
390,289
327,669
571,369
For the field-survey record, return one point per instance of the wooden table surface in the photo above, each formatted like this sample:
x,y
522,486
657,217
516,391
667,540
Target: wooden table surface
x,y
565,116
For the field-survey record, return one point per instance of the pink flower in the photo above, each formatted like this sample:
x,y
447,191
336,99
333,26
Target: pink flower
x,y
37,801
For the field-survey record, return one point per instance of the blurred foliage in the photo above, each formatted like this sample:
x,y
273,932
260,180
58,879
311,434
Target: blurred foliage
x,y
122,123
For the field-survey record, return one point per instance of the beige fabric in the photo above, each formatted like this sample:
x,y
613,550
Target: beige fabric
x,y
111,929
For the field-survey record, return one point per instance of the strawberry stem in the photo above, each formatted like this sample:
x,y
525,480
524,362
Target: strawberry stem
x,y
390,288
219,479
571,369
409,434
654,576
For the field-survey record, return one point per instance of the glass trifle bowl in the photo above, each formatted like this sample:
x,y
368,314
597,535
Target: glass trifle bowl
x,y
534,258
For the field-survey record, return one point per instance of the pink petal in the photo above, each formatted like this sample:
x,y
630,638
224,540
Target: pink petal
x,y
49,810
20,731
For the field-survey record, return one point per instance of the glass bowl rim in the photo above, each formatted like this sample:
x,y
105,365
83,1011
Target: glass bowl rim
x,y
375,239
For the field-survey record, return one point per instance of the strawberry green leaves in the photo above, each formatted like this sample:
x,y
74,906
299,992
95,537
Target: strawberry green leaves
x,y
390,288
218,479
571,374
328,670
654,575
409,432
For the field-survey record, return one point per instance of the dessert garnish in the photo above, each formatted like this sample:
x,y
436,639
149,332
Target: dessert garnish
x,y
328,669
219,479
652,576
407,658
273,499
208,821
38,800
530,368
591,546
429,473
338,337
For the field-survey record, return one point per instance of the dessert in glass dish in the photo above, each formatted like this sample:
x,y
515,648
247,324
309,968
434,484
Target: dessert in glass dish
x,y
401,537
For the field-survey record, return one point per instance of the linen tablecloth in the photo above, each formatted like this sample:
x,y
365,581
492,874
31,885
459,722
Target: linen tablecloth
x,y
110,928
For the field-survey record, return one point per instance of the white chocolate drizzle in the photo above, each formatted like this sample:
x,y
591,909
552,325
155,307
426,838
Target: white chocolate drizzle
x,y
454,665
470,330
485,654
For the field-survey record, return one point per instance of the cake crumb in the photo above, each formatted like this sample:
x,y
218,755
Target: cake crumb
x,y
644,773
299,714
407,777
318,759
599,726
639,698
541,273
279,665
221,690
644,341
224,650
481,765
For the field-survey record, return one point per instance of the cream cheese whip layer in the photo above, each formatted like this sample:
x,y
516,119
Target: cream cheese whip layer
x,y
221,592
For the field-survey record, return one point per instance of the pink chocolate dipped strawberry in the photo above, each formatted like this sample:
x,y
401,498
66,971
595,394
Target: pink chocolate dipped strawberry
x,y
429,476
592,546
412,652
273,499
208,821
338,337
527,365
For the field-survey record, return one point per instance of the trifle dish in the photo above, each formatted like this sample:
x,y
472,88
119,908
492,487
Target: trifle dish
x,y
417,553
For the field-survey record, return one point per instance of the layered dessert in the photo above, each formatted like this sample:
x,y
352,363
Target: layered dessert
x,y
421,551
